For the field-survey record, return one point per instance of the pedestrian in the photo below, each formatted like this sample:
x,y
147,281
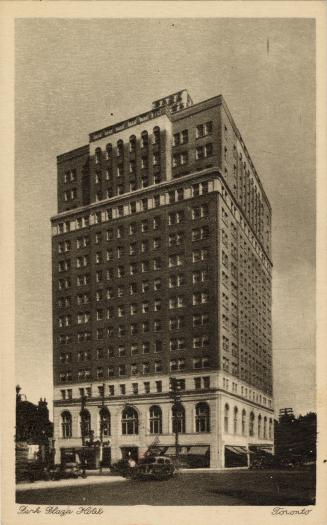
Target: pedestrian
x,y
131,466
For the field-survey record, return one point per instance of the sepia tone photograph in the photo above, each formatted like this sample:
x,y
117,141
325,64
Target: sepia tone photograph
x,y
165,263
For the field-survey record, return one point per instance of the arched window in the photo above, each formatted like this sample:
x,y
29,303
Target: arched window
x,y
85,418
120,148
132,143
178,419
66,425
265,428
155,420
259,425
243,422
235,419
270,428
144,139
202,417
97,155
109,151
156,135
130,421
105,421
251,424
226,418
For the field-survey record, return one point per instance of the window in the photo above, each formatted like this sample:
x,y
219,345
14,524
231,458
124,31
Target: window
x,y
159,386
129,421
265,428
235,420
146,368
144,139
259,426
66,425
145,307
226,419
251,424
243,422
132,143
134,328
202,418
122,370
121,350
85,422
133,288
203,130
175,260
157,284
176,302
120,148
178,419
156,135
158,346
177,344
134,369
158,366
105,422
177,364
200,319
135,388
156,223
200,298
155,420
201,342
146,347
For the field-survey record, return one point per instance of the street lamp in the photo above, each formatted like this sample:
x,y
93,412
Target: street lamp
x,y
175,395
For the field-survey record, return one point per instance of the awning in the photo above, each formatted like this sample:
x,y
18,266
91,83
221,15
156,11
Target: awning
x,y
170,451
266,450
236,450
199,450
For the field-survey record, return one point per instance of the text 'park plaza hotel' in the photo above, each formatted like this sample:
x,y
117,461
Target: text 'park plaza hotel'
x,y
161,252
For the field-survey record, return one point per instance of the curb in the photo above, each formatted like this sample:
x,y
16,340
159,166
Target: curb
x,y
90,480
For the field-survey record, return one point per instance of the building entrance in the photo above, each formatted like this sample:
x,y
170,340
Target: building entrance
x,y
130,452
106,457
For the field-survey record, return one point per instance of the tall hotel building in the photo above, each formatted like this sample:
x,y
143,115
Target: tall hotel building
x,y
161,252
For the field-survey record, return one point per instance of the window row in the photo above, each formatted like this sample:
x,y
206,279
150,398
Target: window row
x,y
130,421
177,217
132,144
262,428
135,369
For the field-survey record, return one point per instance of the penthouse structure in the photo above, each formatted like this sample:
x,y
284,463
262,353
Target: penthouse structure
x,y
161,252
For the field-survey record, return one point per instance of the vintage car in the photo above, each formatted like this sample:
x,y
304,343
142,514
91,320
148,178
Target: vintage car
x,y
157,467
66,470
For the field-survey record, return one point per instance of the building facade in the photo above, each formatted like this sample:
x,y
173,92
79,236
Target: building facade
x,y
161,252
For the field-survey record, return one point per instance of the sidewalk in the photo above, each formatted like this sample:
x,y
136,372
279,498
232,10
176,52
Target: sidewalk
x,y
91,479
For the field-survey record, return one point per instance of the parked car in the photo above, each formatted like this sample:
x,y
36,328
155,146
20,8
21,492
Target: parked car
x,y
66,470
35,472
272,462
120,468
158,467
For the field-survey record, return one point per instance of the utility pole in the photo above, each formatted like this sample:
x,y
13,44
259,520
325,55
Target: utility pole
x,y
102,409
175,395
82,415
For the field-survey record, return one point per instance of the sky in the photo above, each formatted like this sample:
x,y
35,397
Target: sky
x,y
76,76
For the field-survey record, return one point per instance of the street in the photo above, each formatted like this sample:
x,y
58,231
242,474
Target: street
x,y
242,487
